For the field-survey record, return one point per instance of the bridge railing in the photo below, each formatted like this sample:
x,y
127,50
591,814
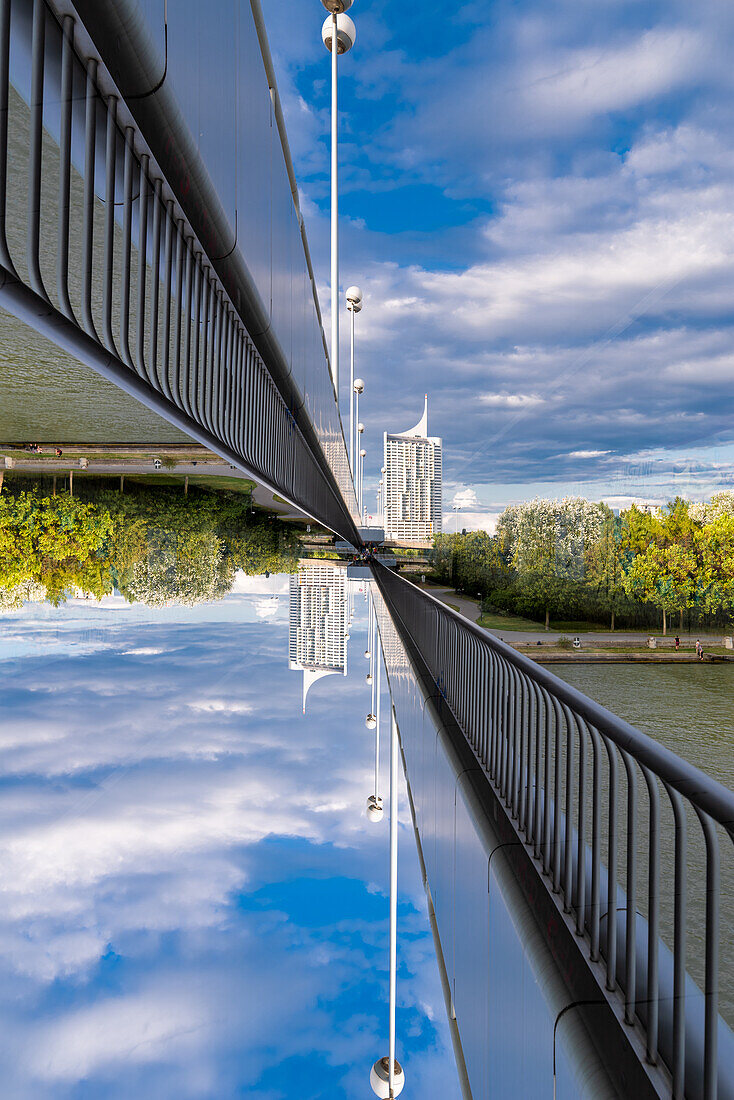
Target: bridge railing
x,y
113,244
616,825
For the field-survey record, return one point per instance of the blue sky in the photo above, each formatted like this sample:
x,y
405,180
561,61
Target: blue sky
x,y
194,905
537,202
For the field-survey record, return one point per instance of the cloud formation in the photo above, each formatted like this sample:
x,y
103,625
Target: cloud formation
x,y
193,902
539,202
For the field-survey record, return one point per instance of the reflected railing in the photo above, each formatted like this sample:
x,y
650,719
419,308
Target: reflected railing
x,y
614,823
96,252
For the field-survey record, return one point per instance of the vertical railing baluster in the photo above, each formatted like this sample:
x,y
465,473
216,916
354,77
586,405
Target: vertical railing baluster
x,y
495,718
630,942
155,284
62,248
506,732
178,365
653,917
711,980
90,160
5,257
678,1060
109,222
568,830
204,360
142,265
187,321
197,382
581,728
537,822
530,764
167,285
38,49
557,799
547,850
594,914
127,231
611,947
517,741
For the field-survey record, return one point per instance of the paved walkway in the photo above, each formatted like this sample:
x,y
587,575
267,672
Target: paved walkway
x,y
205,464
468,608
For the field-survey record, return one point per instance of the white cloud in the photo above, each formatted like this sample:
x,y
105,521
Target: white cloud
x,y
511,400
220,706
141,1028
577,85
587,454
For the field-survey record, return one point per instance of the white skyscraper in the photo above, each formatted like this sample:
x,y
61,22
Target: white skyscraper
x,y
412,484
317,636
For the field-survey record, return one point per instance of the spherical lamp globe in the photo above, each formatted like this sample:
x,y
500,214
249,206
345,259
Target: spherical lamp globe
x,y
367,654
374,808
368,677
354,298
358,385
370,722
336,7
380,1078
346,33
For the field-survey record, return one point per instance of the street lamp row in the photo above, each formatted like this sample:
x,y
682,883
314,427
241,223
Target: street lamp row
x,y
338,34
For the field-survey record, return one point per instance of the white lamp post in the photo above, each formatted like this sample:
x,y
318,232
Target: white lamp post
x,y
358,389
362,454
354,305
387,1077
338,34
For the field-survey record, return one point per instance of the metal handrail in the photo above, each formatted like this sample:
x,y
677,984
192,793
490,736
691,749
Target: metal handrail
x,y
712,797
557,760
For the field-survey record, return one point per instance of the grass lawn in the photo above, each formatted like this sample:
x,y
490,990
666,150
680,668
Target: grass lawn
x,y
507,622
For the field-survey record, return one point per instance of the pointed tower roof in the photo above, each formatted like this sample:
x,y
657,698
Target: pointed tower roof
x,y
421,428
310,676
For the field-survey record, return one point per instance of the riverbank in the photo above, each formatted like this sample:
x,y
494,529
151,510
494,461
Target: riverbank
x,y
570,657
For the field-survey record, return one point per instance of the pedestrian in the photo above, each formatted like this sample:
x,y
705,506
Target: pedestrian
x,y
699,649
677,643
59,452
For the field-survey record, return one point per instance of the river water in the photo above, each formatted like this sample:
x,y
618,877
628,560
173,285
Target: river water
x,y
689,708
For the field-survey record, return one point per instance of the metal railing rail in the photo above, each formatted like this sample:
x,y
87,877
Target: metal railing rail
x,y
557,760
142,297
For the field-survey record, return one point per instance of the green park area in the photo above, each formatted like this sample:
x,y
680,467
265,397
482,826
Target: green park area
x,y
572,565
156,544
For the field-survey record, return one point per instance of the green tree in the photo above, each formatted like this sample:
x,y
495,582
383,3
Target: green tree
x,y
58,542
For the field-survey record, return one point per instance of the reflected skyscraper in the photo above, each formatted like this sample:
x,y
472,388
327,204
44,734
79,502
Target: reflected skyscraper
x,y
317,636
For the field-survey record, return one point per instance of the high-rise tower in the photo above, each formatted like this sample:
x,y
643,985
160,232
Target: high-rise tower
x,y
412,484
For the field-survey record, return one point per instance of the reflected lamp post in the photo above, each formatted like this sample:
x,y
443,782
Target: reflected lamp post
x,y
387,1077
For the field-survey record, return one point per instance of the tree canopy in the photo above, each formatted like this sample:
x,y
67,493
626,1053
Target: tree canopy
x,y
572,558
154,546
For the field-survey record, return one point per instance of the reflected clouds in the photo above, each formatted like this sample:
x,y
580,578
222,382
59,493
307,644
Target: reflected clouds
x,y
193,904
